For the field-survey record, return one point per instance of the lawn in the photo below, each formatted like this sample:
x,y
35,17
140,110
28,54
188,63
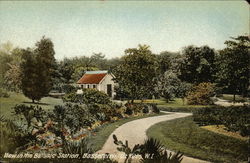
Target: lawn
x,y
102,133
6,104
229,97
185,136
174,106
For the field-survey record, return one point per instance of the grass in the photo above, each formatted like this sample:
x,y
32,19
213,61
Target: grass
x,y
6,104
185,136
174,106
229,97
104,131
220,129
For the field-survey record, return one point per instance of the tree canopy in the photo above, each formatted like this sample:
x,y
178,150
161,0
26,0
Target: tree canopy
x,y
38,69
136,71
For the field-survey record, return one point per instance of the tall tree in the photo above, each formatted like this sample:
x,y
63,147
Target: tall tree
x,y
233,65
38,70
198,64
136,71
30,84
44,53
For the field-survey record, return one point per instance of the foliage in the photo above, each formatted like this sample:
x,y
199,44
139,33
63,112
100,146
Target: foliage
x,y
77,147
182,90
13,138
5,57
201,94
235,118
136,71
167,85
233,66
89,96
152,151
4,93
30,112
71,116
37,70
198,64
67,88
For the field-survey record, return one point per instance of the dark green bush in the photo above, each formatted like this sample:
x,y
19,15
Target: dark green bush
x,y
67,88
145,109
155,108
89,96
235,118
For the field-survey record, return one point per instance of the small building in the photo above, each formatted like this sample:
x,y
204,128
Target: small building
x,y
100,80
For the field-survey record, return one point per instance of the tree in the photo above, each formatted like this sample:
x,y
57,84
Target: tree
x,y
13,76
167,85
38,70
5,58
136,71
44,53
182,90
233,66
198,64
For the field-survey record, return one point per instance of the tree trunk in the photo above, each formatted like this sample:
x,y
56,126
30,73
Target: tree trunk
x,y
33,101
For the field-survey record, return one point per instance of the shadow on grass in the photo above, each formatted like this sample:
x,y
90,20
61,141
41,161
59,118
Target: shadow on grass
x,y
36,103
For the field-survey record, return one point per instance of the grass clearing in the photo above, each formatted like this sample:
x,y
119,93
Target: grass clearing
x,y
173,106
229,97
6,104
185,136
103,132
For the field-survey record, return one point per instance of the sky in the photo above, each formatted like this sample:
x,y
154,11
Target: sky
x,y
80,28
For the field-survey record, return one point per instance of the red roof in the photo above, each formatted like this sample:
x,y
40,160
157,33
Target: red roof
x,y
91,78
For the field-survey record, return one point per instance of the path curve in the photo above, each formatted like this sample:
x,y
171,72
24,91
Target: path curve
x,y
135,133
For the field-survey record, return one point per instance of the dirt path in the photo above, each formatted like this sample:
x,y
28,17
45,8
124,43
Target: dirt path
x,y
135,133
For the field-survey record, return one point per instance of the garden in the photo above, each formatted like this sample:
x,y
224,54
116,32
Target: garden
x,y
43,116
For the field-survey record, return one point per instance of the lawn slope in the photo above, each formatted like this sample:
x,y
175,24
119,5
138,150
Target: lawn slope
x,y
185,136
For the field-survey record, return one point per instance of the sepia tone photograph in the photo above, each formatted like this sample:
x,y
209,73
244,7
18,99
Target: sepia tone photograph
x,y
109,81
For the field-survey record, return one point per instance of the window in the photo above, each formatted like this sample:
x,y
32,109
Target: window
x,y
82,86
94,86
88,86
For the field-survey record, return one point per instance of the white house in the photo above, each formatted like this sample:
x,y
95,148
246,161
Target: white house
x,y
100,80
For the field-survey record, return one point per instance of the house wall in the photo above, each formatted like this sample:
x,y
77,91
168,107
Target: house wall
x,y
103,84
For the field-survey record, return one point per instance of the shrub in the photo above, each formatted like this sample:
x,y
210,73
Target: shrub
x,y
89,96
67,88
145,109
4,93
152,148
155,108
201,94
13,138
235,118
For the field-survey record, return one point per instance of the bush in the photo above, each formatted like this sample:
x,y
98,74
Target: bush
x,y
145,109
67,88
235,118
155,108
4,93
201,94
89,96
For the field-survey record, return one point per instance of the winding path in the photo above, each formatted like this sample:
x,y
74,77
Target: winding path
x,y
135,133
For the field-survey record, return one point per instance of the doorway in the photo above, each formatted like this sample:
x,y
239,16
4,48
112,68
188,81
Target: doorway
x,y
109,90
